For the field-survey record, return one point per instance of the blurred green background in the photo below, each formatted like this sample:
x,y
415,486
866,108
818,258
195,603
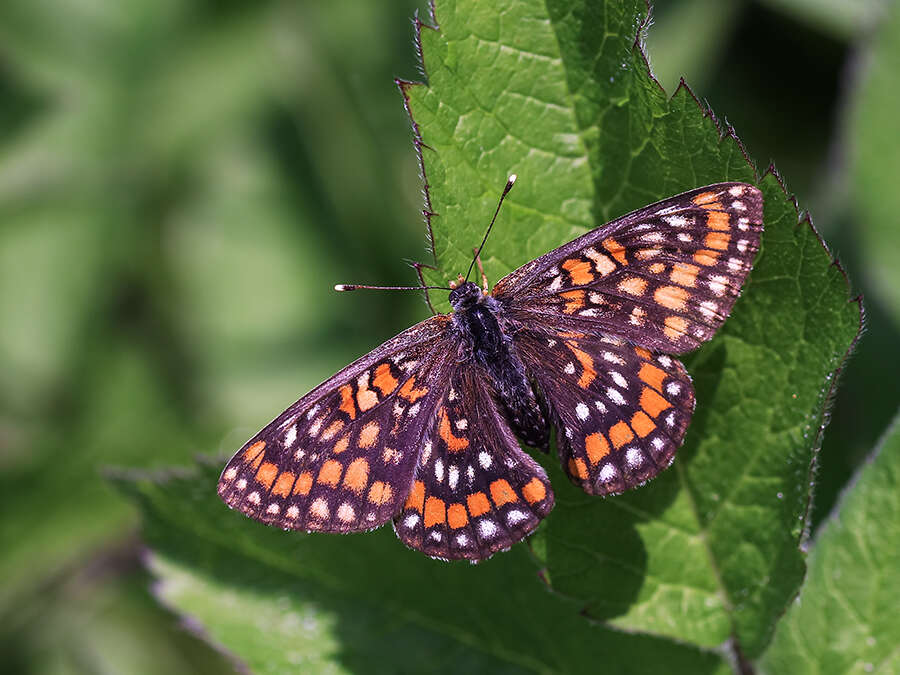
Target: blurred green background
x,y
181,184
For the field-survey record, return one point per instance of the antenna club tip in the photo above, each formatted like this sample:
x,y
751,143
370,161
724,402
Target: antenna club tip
x,y
343,287
512,179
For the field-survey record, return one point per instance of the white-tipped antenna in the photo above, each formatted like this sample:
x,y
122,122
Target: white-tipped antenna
x,y
509,183
358,287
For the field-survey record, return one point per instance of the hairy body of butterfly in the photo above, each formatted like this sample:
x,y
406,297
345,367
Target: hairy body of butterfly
x,y
422,430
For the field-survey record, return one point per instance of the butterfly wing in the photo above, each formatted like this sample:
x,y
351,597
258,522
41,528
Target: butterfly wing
x,y
664,277
341,459
475,491
621,412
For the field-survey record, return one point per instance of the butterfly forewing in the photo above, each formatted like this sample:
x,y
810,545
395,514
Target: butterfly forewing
x,y
341,458
475,491
620,411
664,277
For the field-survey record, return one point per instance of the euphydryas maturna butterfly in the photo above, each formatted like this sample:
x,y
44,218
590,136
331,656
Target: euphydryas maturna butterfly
x,y
423,429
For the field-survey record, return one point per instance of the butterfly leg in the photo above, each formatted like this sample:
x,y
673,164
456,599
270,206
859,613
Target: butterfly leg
x,y
418,267
484,279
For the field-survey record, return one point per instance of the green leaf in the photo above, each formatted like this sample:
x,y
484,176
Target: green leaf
x,y
845,620
560,94
363,603
875,136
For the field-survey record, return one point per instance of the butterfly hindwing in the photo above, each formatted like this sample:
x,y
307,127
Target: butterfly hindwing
x,y
664,277
341,458
621,412
475,491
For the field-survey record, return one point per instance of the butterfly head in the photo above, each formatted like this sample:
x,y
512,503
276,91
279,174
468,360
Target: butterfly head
x,y
464,295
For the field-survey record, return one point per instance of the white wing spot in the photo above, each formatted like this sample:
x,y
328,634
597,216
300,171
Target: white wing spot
x,y
273,508
487,528
658,443
634,457
717,284
230,474
582,411
551,343
413,410
515,516
484,459
452,395
654,237
670,419
613,358
312,412
673,389
619,379
608,473
439,469
556,284
434,534
684,236
290,436
241,484
664,360
453,476
426,453
615,396
676,221
411,521
738,206
253,498
462,424
292,512
735,264
590,311
736,191
569,368
742,245
315,426
462,540
600,406
709,309
470,472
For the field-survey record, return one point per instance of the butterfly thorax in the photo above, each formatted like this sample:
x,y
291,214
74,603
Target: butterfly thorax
x,y
478,320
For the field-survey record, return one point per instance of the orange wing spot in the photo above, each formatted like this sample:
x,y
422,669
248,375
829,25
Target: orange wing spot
x,y
303,484
341,445
633,286
368,435
717,240
616,250
357,476
366,399
706,257
454,443
330,473
705,198
347,404
579,270
416,497
409,391
675,327
385,382
718,220
578,468
652,375
620,434
254,451
380,493
652,402
588,373
478,504
684,274
643,353
284,484
657,268
642,424
597,447
435,511
534,491
574,301
673,297
266,474
502,493
332,430
457,516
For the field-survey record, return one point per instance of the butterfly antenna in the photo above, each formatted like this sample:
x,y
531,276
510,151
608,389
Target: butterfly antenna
x,y
509,183
358,287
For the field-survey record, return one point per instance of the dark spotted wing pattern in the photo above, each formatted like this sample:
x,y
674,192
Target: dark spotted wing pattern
x,y
620,411
341,459
475,491
664,277
421,429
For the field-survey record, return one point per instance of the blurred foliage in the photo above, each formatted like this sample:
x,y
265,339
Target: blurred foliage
x,y
181,183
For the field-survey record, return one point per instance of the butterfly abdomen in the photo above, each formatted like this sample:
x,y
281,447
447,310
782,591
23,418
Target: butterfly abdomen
x,y
486,344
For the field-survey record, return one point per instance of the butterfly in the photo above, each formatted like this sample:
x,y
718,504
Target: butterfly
x,y
423,429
